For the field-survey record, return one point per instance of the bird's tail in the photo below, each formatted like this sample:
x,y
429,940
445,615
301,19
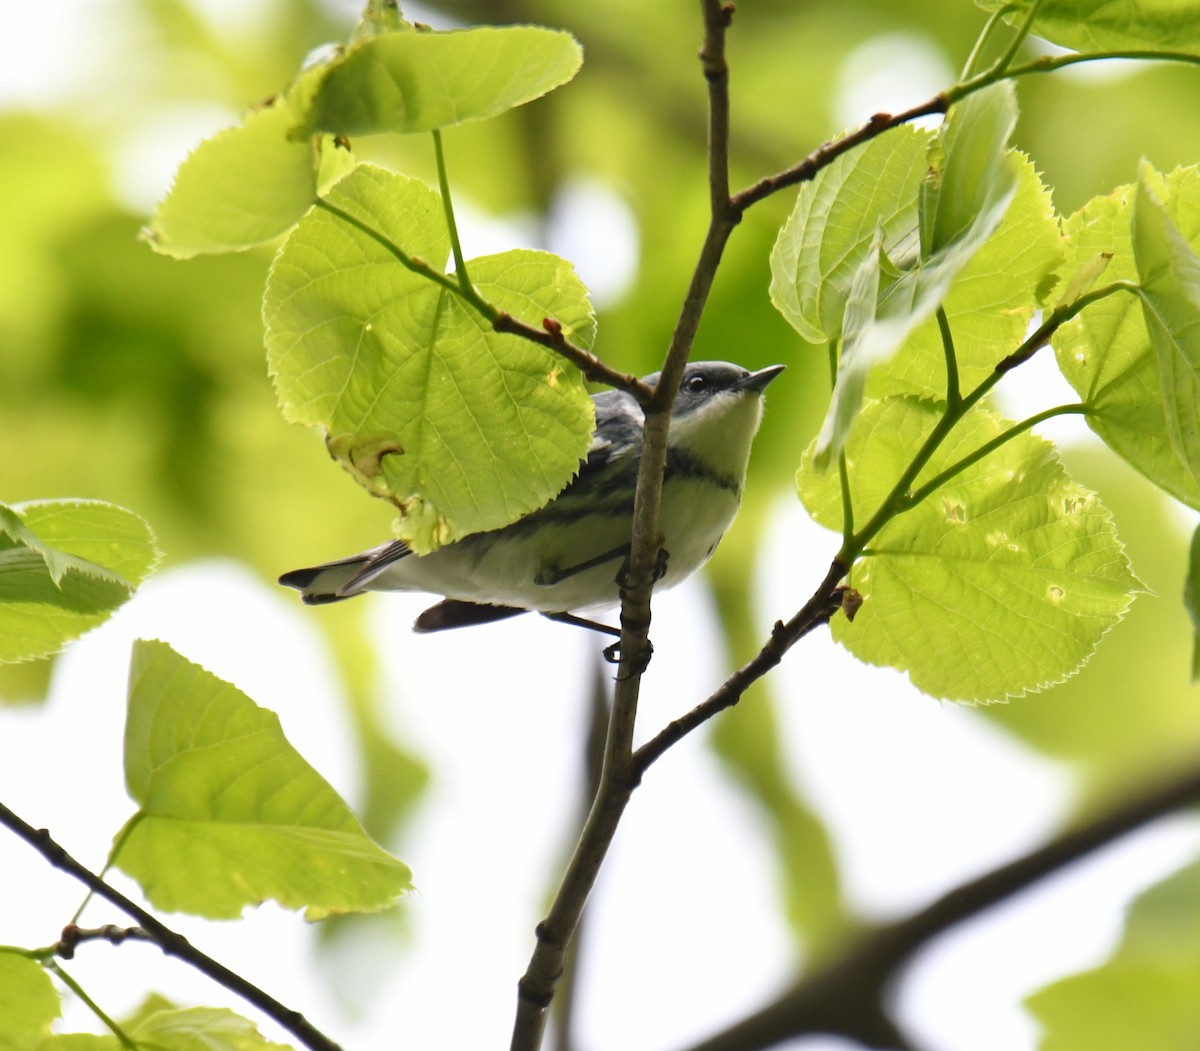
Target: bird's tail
x,y
345,578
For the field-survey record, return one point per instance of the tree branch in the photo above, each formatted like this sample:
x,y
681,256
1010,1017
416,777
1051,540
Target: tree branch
x,y
815,612
849,995
825,155
550,335
170,942
618,776
939,103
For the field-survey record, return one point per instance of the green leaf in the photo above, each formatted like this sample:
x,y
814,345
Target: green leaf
x,y
201,1029
833,226
972,177
463,428
1169,274
999,583
971,181
1085,722
187,1029
991,301
28,1002
230,814
1148,994
1102,25
1106,353
240,188
419,81
1191,600
80,1042
65,566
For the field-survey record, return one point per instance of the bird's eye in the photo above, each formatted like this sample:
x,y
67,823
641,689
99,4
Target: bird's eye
x,y
695,384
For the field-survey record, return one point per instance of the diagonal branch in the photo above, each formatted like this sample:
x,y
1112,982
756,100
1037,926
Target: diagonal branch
x,y
550,335
825,155
849,996
815,612
169,941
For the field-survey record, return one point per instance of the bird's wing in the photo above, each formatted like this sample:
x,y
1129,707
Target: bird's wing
x,y
458,613
617,437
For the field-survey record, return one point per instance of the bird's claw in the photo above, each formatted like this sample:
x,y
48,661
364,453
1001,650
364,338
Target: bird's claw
x,y
660,569
628,670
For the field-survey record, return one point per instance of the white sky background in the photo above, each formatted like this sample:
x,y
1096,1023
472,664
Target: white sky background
x,y
684,934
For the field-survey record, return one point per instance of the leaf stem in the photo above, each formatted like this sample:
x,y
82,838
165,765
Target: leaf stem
x,y
953,393
843,468
1042,335
1004,61
1050,63
985,36
417,266
92,1006
900,498
1075,408
460,264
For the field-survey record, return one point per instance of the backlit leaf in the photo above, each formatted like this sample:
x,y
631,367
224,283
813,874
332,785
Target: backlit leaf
x,y
1148,994
833,225
1110,25
1169,275
1191,600
462,428
242,187
230,814
419,81
991,301
1106,353
970,183
999,583
65,566
201,1029
28,1002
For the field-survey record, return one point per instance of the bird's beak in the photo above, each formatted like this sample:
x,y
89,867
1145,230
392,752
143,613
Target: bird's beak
x,y
757,381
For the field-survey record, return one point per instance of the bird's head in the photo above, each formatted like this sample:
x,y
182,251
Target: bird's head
x,y
717,413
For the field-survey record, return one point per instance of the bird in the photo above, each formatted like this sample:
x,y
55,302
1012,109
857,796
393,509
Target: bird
x,y
565,560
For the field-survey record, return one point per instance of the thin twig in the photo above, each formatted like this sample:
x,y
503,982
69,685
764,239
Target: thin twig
x,y
1050,63
815,612
550,335
170,942
825,155
74,936
876,125
849,996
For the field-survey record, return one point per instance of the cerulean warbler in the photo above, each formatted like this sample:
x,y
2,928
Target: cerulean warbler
x,y
566,557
